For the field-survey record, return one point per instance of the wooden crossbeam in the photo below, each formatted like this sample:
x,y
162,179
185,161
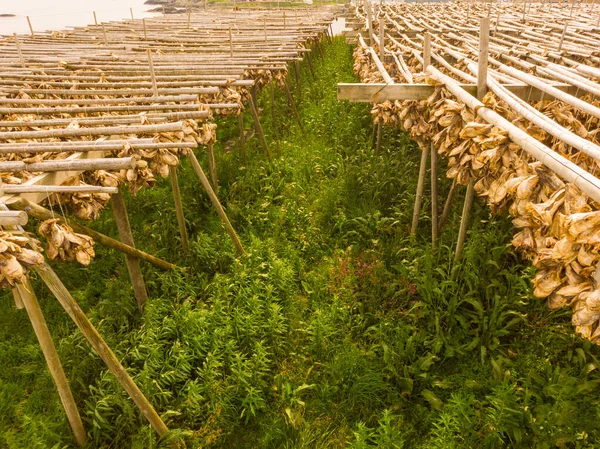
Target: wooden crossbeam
x,y
380,92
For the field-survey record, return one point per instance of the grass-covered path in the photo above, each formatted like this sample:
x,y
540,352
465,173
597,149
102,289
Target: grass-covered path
x,y
334,330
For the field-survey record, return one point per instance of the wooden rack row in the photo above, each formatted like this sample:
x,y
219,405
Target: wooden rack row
x,y
87,111
509,93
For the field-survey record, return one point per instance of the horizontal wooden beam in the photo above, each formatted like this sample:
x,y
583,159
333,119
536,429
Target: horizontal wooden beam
x,y
378,93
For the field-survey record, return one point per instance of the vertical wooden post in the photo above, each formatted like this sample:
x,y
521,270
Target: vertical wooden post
x,y
310,66
464,221
258,127
164,12
215,202
189,17
205,6
18,43
484,34
91,334
297,72
152,74
382,39
496,25
230,43
242,136
572,8
447,206
145,33
293,105
42,333
104,32
379,135
420,185
95,19
484,40
212,167
179,208
125,235
426,50
131,11
370,19
254,95
30,27
434,197
562,36
272,98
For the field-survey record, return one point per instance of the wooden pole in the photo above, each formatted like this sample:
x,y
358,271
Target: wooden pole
x,y
42,333
164,12
95,19
44,214
382,39
484,39
370,19
497,22
293,105
212,167
179,208
426,50
434,197
105,35
189,16
310,66
447,206
464,222
131,11
30,27
145,33
420,186
562,36
242,136
18,43
258,127
215,202
484,34
379,135
152,74
91,334
133,264
297,72
272,98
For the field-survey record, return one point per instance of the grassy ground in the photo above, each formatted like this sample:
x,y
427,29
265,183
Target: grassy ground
x,y
335,330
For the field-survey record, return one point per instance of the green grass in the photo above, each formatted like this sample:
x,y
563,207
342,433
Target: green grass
x,y
336,329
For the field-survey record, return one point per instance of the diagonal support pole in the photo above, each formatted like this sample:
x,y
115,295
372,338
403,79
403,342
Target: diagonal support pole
x,y
215,202
179,208
125,235
91,334
42,333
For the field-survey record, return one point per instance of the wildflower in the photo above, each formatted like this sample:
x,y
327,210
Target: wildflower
x,y
412,289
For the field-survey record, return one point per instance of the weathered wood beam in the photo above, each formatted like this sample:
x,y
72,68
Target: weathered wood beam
x,y
380,92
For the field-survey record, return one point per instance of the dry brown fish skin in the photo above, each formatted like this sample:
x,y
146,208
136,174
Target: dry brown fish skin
x,y
64,244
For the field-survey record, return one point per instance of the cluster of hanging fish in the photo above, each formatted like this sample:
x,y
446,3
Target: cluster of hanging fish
x,y
262,77
16,256
558,227
64,245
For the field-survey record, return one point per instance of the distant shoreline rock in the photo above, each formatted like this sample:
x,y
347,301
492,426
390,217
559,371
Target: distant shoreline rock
x,y
168,9
158,2
13,15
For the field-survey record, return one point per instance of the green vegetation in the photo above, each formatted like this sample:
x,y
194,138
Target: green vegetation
x,y
335,330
